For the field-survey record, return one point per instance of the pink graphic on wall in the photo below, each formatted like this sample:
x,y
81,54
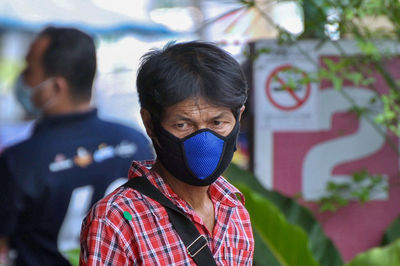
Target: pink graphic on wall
x,y
356,227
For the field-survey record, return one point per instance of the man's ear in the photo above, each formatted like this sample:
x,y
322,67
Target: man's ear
x,y
146,118
61,87
241,111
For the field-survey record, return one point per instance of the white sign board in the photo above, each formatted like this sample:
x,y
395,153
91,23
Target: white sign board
x,y
279,104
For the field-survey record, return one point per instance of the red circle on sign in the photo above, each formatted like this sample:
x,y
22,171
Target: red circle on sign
x,y
298,101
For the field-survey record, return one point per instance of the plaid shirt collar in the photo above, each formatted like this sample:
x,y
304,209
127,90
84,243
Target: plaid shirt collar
x,y
220,191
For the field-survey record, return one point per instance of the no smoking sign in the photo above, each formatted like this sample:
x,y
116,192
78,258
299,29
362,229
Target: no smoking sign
x,y
285,90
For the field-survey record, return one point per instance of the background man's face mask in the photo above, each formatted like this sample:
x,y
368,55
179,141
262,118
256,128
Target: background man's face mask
x,y
197,159
24,92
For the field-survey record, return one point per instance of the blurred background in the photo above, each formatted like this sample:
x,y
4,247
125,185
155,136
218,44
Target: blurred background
x,y
124,30
321,125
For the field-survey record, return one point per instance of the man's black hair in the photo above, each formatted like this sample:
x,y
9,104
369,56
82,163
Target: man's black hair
x,y
190,70
71,54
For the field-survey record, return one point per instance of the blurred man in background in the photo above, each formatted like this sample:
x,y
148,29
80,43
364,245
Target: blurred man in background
x,y
49,181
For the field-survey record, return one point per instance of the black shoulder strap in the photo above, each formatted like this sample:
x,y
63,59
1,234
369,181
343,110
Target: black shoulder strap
x,y
196,244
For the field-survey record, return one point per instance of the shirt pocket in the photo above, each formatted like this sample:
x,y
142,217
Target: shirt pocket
x,y
235,256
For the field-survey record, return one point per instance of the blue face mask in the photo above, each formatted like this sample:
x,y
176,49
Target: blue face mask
x,y
23,93
198,159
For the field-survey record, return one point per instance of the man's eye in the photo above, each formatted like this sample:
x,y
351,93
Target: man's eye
x,y
217,123
180,125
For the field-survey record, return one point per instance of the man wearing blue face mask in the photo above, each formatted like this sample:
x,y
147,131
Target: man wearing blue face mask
x,y
24,94
178,210
49,181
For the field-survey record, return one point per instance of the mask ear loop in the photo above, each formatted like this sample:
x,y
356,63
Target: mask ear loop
x,y
237,124
40,86
156,124
155,120
237,114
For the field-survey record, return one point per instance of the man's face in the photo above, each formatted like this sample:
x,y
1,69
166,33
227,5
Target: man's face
x,y
190,115
34,73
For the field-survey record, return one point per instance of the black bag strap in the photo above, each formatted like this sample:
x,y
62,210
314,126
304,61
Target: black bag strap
x,y
196,244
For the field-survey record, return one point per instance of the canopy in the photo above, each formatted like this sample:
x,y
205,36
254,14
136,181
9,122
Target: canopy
x,y
84,14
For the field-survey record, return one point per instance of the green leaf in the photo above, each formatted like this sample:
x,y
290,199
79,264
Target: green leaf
x,y
388,255
322,248
369,48
288,243
337,83
360,175
329,64
367,81
73,256
327,206
262,255
392,233
349,14
355,77
259,52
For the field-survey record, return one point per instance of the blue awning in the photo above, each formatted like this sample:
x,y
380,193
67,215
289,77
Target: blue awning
x,y
36,14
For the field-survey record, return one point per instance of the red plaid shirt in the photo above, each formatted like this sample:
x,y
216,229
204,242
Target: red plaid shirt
x,y
109,237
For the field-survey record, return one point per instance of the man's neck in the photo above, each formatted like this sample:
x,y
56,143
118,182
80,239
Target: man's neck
x,y
69,109
196,196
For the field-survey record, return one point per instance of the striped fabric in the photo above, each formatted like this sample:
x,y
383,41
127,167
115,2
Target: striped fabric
x,y
128,228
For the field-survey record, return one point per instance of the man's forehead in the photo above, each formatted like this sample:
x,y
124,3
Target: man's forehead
x,y
196,107
37,48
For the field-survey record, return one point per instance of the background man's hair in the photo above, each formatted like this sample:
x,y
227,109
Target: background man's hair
x,y
71,54
190,70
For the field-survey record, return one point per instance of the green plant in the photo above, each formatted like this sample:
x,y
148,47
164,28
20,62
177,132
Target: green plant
x,y
286,242
282,229
352,18
360,187
322,248
392,233
73,256
388,255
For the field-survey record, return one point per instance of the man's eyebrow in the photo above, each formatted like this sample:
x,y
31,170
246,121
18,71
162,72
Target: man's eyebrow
x,y
181,117
221,115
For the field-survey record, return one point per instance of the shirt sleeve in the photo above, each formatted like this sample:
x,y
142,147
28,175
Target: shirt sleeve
x,y
9,194
102,244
